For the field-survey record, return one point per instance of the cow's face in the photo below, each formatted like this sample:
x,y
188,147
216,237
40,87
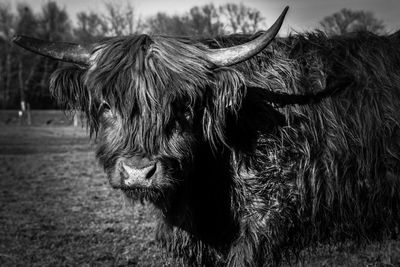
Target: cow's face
x,y
147,155
149,114
153,102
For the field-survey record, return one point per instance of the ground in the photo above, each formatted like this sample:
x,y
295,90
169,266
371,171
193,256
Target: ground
x,y
57,209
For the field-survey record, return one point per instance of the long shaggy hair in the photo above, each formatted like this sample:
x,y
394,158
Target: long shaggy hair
x,y
297,145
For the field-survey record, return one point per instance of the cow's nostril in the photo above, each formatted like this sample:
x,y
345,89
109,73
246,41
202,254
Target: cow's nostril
x,y
123,174
151,171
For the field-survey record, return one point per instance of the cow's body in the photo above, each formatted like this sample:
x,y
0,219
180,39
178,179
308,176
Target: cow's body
x,y
298,144
324,171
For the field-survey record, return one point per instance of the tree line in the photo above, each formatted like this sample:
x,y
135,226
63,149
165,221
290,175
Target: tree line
x,y
24,77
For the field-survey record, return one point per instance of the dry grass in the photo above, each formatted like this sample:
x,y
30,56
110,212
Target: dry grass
x,y
57,209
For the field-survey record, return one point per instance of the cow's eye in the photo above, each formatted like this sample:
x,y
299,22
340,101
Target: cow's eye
x,y
103,107
188,115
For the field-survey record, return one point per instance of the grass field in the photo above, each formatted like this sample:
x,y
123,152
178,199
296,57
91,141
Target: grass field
x,y
38,118
57,209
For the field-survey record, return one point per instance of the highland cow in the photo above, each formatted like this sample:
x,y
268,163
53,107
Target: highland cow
x,y
251,147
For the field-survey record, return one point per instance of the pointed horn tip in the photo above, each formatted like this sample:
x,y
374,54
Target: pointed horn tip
x,y
286,9
278,23
283,14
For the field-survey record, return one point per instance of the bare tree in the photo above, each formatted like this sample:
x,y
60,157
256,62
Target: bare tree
x,y
208,21
240,18
205,21
27,25
7,20
199,21
90,27
121,19
7,25
165,24
346,21
55,22
54,25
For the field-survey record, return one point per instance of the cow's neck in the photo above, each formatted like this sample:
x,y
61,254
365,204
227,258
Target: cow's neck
x,y
204,205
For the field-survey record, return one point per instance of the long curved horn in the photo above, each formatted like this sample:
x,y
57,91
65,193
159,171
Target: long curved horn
x,y
232,55
68,52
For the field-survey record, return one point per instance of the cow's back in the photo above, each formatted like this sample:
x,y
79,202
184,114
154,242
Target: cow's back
x,y
349,142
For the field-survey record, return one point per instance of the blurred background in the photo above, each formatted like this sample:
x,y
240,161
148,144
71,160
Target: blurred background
x,y
56,206
24,77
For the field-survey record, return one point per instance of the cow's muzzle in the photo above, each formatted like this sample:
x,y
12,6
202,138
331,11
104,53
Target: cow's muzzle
x,y
133,176
135,172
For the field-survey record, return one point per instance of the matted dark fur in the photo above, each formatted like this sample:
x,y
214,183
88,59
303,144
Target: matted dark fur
x,y
297,145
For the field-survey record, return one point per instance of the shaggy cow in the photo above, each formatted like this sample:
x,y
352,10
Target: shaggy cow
x,y
251,147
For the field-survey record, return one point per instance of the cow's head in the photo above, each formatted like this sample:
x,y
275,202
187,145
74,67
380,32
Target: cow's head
x,y
154,102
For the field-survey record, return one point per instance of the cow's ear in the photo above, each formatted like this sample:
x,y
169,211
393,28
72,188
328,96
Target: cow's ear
x,y
223,98
67,86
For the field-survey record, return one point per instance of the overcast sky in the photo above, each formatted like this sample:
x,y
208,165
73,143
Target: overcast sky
x,y
303,14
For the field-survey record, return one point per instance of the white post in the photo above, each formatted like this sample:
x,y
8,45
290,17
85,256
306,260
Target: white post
x,y
76,119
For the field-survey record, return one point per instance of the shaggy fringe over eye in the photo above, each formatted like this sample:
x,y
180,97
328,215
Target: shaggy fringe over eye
x,y
225,96
148,82
67,86
151,79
